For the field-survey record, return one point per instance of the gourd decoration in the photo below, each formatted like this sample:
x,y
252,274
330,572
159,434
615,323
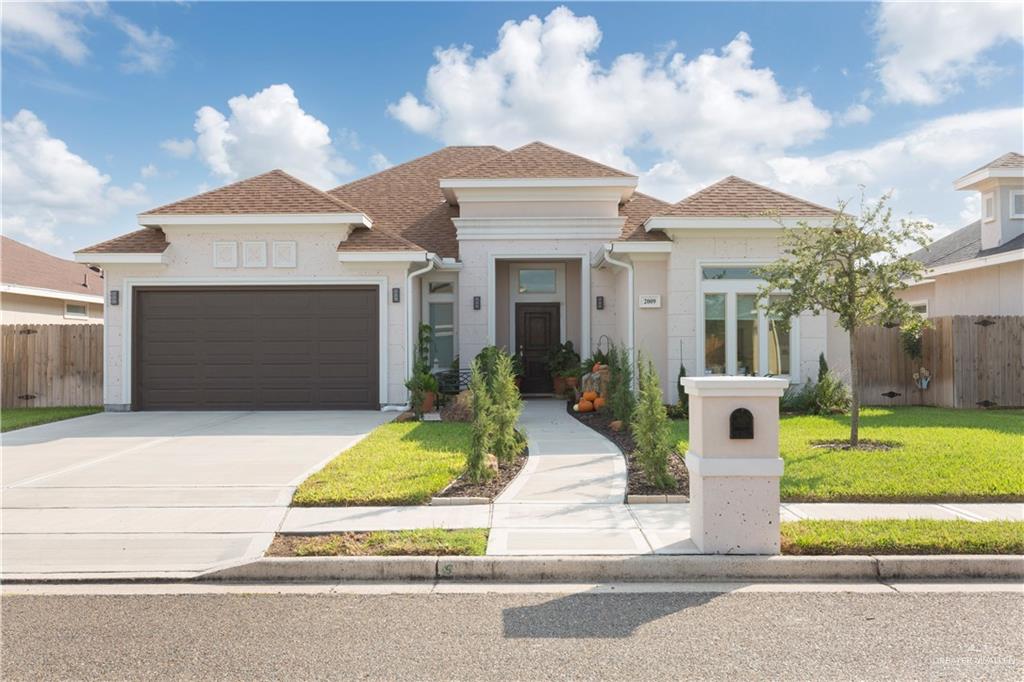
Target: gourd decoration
x,y
590,396
598,403
585,406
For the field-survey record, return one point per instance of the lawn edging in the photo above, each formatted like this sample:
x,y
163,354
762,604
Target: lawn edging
x,y
684,568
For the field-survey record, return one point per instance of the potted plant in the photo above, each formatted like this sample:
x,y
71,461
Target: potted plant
x,y
422,384
571,377
562,361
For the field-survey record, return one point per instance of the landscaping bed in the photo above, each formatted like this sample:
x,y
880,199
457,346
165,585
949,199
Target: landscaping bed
x,y
13,418
637,483
462,487
424,542
903,536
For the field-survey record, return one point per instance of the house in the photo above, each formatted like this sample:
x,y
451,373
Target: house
x,y
269,293
979,269
37,288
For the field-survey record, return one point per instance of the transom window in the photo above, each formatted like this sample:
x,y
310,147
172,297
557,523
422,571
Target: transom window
x,y
76,310
440,313
738,337
537,281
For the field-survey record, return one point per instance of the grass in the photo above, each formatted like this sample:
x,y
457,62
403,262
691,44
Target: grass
x,y
914,536
425,542
941,455
403,463
20,417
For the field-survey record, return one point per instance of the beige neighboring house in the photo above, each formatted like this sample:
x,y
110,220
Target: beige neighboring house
x,y
271,294
979,269
37,288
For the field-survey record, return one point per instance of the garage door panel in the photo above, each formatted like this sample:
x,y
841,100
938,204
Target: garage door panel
x,y
256,348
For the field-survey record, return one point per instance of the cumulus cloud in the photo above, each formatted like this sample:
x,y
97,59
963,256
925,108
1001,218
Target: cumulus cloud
x,y
856,114
543,81
146,51
47,188
926,49
267,130
42,27
179,149
149,171
379,162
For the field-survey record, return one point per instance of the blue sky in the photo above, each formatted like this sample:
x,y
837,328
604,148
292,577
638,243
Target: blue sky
x,y
101,104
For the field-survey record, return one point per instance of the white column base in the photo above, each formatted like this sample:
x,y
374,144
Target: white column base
x,y
734,504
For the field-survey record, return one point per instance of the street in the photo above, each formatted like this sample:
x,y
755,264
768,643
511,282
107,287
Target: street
x,y
419,633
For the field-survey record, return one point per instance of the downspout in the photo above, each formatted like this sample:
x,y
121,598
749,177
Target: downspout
x,y
410,337
631,327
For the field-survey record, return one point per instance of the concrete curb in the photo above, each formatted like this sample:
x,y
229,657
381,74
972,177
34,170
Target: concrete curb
x,y
457,501
657,499
625,568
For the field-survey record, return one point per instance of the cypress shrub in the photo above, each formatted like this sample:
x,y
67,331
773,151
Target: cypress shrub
x,y
651,430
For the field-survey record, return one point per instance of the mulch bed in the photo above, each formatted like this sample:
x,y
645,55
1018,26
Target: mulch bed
x,y
462,487
637,482
862,445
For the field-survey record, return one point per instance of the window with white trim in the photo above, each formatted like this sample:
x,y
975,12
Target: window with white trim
x,y
439,311
737,336
1016,204
988,207
920,307
76,311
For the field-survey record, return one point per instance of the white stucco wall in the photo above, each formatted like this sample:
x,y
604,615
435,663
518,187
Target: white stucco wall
x,y
993,290
190,257
21,309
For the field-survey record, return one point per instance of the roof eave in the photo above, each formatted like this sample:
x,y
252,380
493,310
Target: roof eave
x,y
249,219
735,223
971,180
386,256
101,258
22,290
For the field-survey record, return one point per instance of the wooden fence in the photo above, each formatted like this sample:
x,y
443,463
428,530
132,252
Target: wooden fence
x,y
975,361
52,365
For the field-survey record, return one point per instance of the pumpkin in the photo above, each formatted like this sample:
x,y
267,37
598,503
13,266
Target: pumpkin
x,y
589,396
598,403
585,406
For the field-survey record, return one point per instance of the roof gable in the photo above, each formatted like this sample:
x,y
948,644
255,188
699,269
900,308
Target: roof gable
x,y
275,192
734,197
539,160
22,265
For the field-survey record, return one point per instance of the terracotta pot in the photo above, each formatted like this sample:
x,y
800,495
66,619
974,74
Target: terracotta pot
x,y
427,404
571,382
559,384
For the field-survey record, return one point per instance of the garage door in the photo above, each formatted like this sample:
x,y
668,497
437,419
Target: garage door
x,y
255,348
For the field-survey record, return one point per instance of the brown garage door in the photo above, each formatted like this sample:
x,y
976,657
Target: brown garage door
x,y
255,348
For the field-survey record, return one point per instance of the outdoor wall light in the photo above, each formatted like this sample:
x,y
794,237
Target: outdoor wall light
x,y
600,302
115,297
476,303
396,295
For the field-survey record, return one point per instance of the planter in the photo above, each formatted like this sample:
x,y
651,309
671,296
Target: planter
x,y
427,404
571,382
559,384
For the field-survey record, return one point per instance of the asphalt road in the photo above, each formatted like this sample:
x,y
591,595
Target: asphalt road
x,y
817,636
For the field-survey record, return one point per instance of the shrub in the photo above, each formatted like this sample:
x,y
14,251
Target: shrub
x,y
483,426
620,384
829,396
421,381
651,430
822,366
506,406
459,408
563,358
488,359
912,337
684,397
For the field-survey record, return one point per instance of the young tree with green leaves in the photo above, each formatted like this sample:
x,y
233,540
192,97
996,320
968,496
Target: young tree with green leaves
x,y
854,268
651,430
621,399
507,406
483,431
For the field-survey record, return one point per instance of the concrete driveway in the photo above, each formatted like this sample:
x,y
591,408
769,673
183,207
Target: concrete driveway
x,y
159,493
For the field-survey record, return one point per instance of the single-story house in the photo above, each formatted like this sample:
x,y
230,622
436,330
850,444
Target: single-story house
x,y
979,269
37,288
269,293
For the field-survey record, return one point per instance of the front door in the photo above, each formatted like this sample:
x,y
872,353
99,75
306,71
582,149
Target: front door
x,y
537,332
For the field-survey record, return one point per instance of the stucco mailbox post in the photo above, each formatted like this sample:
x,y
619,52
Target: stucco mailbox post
x,y
734,463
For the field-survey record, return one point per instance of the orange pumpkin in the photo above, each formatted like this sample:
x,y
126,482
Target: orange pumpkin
x,y
586,406
589,396
598,403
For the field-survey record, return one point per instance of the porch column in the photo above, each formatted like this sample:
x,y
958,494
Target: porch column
x,y
734,463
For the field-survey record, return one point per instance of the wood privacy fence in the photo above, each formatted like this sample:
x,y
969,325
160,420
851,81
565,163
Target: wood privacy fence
x,y
52,365
975,361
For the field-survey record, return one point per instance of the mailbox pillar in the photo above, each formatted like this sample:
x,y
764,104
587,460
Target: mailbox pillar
x,y
734,463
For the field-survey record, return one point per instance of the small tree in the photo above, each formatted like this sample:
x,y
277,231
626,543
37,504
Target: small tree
x,y
483,426
854,268
651,429
620,384
822,367
506,406
684,397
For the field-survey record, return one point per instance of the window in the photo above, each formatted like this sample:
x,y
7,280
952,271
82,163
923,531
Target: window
x,y
77,311
1017,205
537,281
739,337
439,312
920,307
988,207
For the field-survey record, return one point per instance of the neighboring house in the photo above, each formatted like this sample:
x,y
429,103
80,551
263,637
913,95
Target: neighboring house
x,y
269,293
37,288
979,269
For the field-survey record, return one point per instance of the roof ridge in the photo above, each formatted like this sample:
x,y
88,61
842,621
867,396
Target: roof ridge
x,y
305,185
209,191
578,156
357,181
497,159
735,178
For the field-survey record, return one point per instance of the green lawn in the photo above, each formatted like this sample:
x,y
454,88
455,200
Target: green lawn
x,y
405,463
424,542
916,536
943,455
19,417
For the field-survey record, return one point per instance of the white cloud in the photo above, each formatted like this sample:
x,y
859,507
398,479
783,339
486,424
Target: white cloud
x,y
180,149
713,112
926,49
149,171
856,114
43,26
267,130
379,162
146,52
48,189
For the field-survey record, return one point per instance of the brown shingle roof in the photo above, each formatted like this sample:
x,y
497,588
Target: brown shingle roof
x,y
272,192
24,266
1008,160
734,197
538,160
406,201
638,209
146,240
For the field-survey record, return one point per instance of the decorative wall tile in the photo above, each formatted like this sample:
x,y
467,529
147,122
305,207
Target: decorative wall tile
x,y
254,254
285,255
225,254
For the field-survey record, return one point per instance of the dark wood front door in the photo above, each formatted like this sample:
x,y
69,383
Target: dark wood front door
x,y
537,332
